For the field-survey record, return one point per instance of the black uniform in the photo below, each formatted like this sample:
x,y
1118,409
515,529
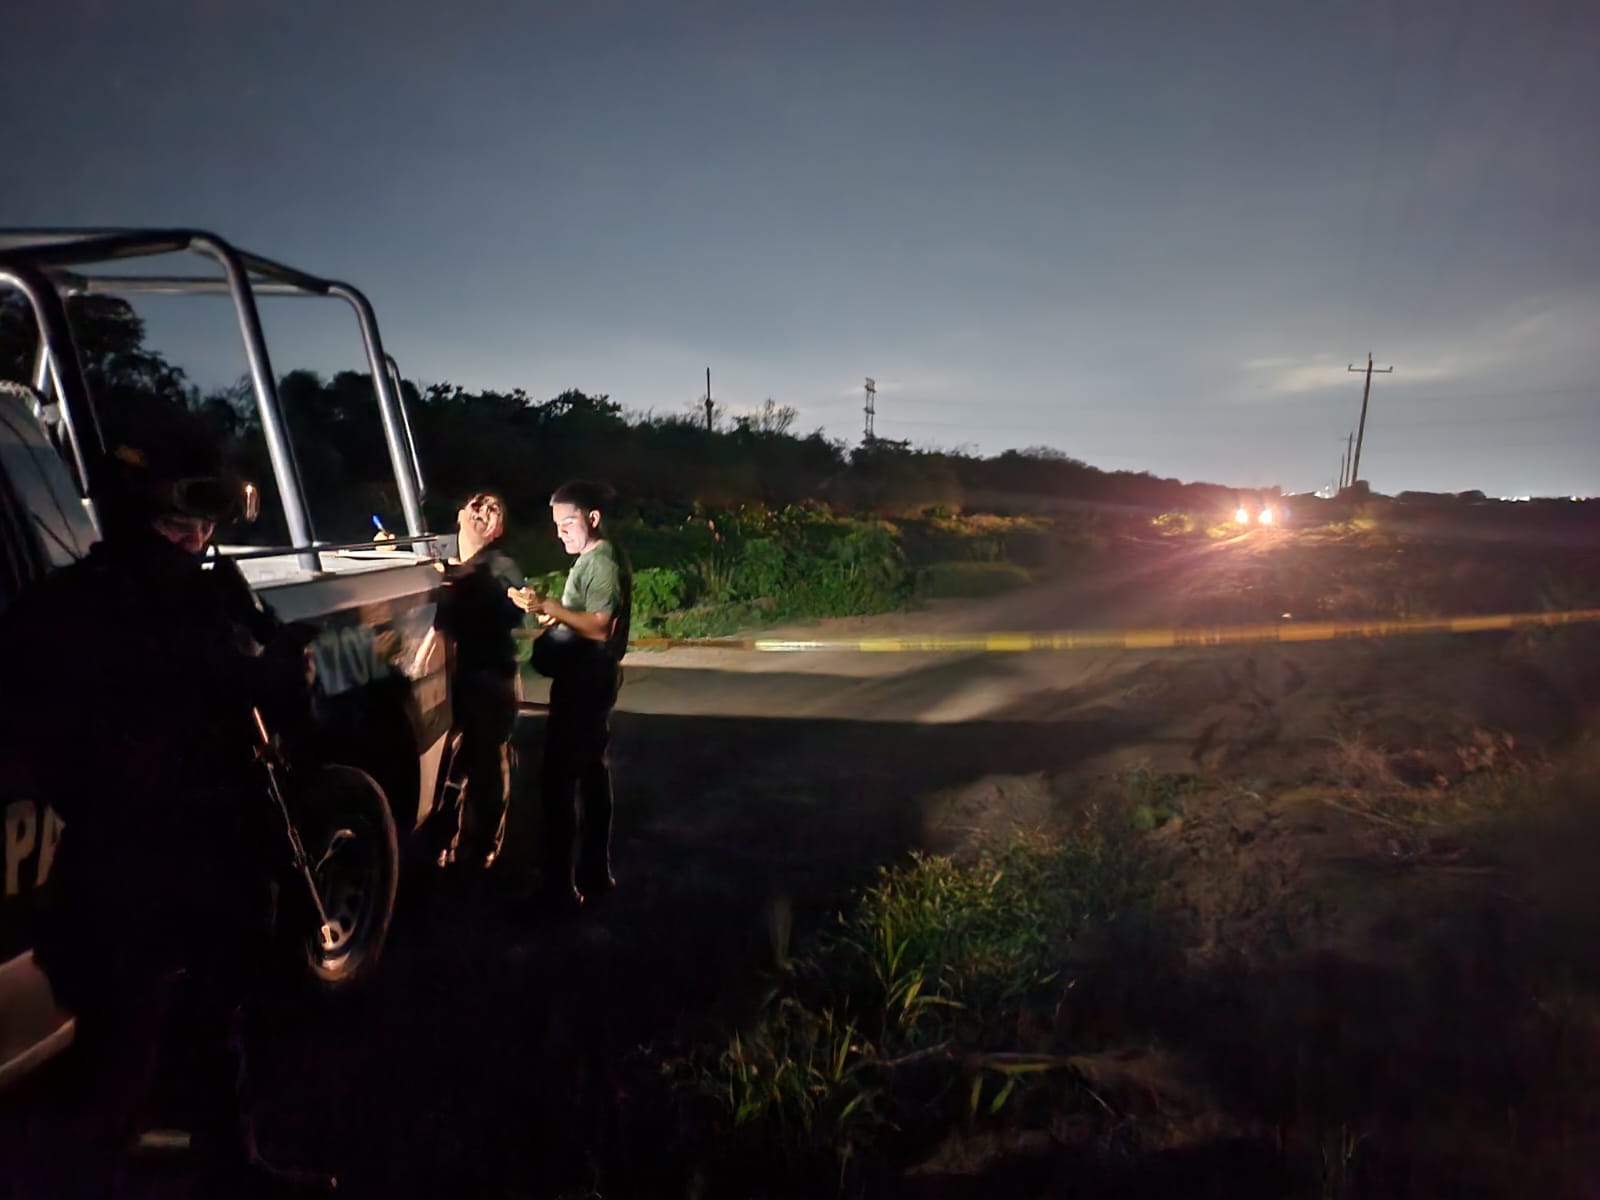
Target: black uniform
x,y
481,618
128,705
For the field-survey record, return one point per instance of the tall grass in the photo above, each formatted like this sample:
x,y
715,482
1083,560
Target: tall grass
x,y
910,1011
716,573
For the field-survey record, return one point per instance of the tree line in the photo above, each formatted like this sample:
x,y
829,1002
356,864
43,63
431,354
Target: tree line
x,y
664,466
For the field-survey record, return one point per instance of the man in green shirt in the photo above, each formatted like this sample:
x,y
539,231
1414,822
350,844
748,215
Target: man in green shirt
x,y
593,615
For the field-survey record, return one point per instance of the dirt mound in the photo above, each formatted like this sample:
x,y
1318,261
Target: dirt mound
x,y
989,813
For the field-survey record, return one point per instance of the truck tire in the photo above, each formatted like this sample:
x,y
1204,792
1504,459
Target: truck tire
x,y
350,840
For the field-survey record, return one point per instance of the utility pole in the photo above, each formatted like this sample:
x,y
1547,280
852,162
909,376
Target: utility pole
x,y
871,408
708,399
1355,465
1344,461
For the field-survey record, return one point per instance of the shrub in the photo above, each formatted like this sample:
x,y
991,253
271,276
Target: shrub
x,y
657,590
759,564
882,1020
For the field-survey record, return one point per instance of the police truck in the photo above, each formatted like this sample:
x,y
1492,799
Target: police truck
x,y
381,711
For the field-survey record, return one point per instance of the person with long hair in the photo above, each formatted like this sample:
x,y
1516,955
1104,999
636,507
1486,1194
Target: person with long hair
x,y
481,619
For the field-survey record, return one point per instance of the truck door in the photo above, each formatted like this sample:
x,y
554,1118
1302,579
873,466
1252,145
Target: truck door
x,y
42,525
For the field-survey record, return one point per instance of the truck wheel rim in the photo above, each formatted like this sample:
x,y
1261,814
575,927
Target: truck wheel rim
x,y
346,881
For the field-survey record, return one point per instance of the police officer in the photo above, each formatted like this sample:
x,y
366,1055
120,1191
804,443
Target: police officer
x,y
129,704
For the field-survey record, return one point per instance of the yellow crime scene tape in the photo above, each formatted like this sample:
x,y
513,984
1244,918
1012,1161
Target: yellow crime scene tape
x,y
1287,630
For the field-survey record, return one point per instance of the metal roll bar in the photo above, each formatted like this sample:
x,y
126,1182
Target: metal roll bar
x,y
46,264
71,389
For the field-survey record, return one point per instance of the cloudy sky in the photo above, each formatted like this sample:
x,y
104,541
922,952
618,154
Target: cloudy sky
x,y
1153,235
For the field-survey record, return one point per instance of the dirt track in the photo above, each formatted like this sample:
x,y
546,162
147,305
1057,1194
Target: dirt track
x,y
500,1055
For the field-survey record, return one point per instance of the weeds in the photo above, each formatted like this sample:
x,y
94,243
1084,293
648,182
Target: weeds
x,y
756,565
1336,1163
1355,763
908,1007
1506,787
1178,524
711,575
1153,798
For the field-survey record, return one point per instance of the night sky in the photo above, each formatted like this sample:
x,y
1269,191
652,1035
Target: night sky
x,y
1152,235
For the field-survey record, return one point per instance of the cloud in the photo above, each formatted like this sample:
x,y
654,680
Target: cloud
x,y
1555,327
1287,376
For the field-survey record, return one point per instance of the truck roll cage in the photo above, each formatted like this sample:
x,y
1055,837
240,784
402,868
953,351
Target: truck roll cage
x,y
49,265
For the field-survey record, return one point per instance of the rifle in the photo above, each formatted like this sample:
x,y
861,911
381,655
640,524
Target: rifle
x,y
271,761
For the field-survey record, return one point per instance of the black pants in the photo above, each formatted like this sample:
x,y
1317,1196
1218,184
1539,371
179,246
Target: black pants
x,y
486,711
160,990
575,778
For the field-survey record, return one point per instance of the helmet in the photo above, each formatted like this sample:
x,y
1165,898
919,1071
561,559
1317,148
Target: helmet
x,y
171,465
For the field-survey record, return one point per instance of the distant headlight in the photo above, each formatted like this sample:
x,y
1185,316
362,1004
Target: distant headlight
x,y
1266,516
1242,516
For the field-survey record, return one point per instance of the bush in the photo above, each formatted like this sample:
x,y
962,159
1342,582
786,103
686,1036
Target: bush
x,y
889,1019
710,573
1178,523
657,590
754,564
1029,547
943,581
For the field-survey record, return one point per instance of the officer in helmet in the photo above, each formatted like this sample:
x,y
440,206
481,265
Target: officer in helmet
x,y
130,691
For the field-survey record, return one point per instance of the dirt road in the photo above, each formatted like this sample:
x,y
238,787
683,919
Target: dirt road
x,y
1135,585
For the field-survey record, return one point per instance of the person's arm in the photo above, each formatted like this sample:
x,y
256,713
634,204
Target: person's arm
x,y
601,597
596,626
525,599
244,605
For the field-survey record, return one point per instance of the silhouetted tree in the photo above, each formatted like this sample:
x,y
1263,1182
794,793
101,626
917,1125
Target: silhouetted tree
x,y
665,467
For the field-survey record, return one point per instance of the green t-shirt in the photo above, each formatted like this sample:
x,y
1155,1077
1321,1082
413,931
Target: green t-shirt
x,y
602,581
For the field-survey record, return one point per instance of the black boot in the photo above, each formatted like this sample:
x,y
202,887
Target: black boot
x,y
235,1166
557,894
595,881
229,1166
225,1142
256,1177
